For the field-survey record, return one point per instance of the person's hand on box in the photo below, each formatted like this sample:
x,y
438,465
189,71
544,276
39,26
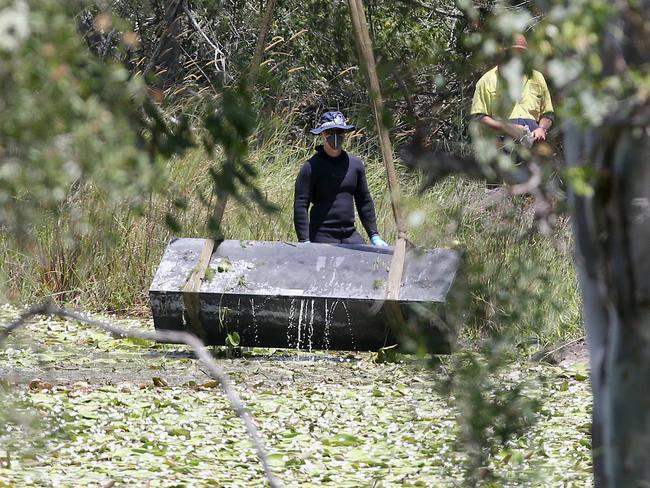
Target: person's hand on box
x,y
378,241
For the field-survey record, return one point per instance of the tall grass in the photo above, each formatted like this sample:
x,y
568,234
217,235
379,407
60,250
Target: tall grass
x,y
513,276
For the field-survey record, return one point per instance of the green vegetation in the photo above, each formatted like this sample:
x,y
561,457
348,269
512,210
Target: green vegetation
x,y
133,412
515,275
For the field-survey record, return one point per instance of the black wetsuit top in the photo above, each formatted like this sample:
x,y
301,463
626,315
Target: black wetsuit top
x,y
330,185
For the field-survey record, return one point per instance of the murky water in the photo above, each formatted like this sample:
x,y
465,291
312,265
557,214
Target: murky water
x,y
112,384
302,357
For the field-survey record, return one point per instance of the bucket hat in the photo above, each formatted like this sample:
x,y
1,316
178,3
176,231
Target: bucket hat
x,y
332,120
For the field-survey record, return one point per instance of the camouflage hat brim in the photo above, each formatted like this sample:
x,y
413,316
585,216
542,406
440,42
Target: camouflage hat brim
x,y
332,119
331,125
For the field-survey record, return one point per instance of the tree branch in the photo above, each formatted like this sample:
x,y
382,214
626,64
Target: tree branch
x,y
259,46
437,165
161,336
218,53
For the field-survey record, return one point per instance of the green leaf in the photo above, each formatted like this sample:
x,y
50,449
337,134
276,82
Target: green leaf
x,y
580,376
342,440
386,354
178,431
137,341
232,339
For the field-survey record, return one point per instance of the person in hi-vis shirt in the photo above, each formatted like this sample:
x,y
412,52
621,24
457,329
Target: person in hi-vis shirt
x,y
530,118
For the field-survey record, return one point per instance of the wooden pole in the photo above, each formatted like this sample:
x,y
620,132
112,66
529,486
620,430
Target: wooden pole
x,y
192,287
256,61
259,47
364,46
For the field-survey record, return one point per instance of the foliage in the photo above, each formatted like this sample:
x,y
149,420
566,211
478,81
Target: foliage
x,y
596,55
491,412
76,122
70,120
310,60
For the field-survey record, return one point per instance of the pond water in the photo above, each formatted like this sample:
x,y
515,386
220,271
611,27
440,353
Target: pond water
x,y
82,408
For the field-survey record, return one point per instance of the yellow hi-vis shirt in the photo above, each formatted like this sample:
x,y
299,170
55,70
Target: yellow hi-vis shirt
x,y
491,92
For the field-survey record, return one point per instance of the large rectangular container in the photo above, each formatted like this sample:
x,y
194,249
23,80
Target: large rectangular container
x,y
306,296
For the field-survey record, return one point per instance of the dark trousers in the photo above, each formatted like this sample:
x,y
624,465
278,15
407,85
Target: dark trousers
x,y
336,236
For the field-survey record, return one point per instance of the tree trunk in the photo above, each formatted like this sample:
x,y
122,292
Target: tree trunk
x,y
259,45
367,61
165,58
612,236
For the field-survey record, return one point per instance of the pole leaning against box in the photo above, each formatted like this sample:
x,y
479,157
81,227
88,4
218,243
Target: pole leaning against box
x,y
366,56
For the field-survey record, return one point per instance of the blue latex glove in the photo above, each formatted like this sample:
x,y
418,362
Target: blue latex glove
x,y
378,241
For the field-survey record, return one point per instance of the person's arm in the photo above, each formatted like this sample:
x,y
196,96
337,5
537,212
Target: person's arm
x,y
546,122
548,116
301,201
501,126
364,203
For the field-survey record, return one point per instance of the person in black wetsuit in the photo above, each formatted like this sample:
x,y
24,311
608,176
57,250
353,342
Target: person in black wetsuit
x,y
332,182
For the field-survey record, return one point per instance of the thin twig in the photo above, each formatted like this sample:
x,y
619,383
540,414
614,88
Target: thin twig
x,y
562,346
160,336
200,69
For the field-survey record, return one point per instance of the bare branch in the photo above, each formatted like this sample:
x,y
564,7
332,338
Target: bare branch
x,y
161,336
259,46
436,165
219,56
